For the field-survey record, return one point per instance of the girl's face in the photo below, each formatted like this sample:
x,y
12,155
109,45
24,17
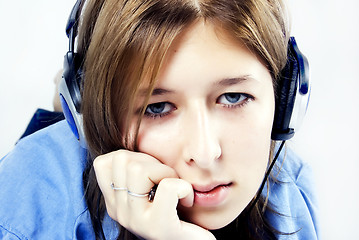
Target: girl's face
x,y
210,119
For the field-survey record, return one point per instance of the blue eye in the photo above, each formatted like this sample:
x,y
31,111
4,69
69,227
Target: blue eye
x,y
234,99
156,108
159,109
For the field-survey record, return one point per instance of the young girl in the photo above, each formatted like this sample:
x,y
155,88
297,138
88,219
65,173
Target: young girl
x,y
178,100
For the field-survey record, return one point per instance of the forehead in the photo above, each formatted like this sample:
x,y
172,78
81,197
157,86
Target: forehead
x,y
206,52
202,35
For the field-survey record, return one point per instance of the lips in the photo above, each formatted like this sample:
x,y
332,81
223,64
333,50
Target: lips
x,y
211,195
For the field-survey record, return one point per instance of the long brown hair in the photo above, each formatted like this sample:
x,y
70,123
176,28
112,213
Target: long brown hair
x,y
123,44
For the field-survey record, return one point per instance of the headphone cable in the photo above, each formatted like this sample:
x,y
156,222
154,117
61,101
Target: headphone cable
x,y
266,176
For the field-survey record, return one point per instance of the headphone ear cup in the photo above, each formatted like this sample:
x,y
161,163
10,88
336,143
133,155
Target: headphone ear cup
x,y
285,99
292,95
69,87
70,97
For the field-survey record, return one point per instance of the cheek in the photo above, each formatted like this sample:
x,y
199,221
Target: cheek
x,y
159,141
250,136
246,142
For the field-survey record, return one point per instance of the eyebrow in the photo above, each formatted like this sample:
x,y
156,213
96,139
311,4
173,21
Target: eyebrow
x,y
156,92
161,91
223,82
233,81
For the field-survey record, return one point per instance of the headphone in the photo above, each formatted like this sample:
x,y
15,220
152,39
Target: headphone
x,y
69,86
293,93
293,90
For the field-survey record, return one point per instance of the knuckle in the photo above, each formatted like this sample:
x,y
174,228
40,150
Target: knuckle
x,y
135,168
121,158
98,162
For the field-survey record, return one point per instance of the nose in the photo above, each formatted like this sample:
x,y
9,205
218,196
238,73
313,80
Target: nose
x,y
201,143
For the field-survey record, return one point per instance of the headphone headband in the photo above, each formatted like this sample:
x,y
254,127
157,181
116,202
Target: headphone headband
x,y
72,23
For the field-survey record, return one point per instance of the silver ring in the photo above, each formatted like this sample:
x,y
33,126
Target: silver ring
x,y
117,188
151,194
136,194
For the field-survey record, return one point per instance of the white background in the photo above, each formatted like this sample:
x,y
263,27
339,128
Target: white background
x,y
33,42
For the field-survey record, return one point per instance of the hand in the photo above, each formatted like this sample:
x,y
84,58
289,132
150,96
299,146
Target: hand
x,y
138,173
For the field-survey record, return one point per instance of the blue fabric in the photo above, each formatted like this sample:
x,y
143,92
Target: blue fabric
x,y
42,195
42,118
292,195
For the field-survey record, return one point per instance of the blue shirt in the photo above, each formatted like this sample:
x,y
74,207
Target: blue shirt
x,y
42,195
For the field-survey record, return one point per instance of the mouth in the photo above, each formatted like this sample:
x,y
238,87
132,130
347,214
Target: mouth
x,y
211,195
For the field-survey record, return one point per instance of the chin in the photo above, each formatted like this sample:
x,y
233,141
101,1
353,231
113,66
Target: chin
x,y
210,220
214,224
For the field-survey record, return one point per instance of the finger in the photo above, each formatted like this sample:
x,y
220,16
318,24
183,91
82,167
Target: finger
x,y
169,192
138,172
141,178
162,211
119,160
103,170
145,171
